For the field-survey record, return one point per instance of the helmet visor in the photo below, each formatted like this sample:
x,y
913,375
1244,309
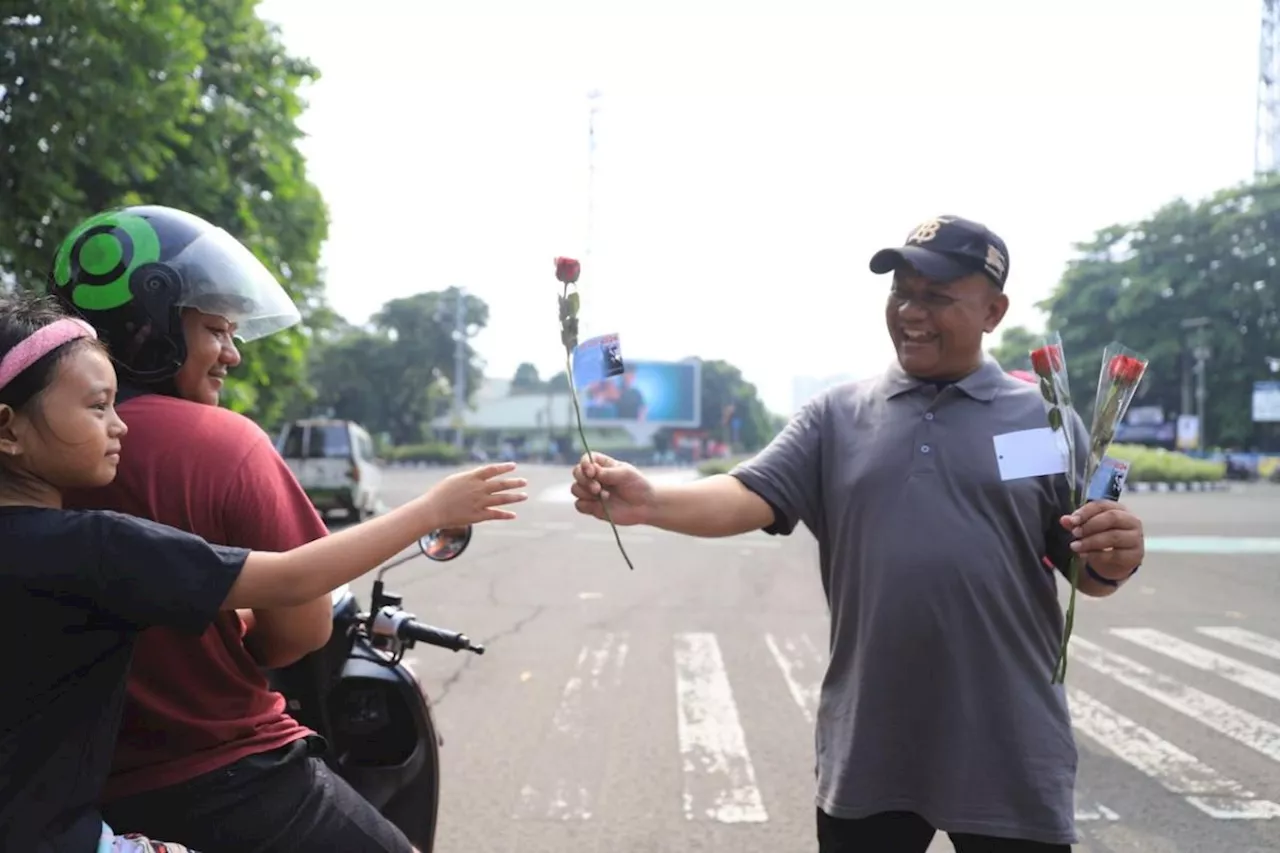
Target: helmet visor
x,y
220,276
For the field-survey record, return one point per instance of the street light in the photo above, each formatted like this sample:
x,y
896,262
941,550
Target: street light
x,y
1200,351
461,332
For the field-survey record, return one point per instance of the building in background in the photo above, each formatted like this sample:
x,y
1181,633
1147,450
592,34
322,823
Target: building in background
x,y
621,414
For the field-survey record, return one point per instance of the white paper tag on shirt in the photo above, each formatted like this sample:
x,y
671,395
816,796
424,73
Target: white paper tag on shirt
x,y
1029,453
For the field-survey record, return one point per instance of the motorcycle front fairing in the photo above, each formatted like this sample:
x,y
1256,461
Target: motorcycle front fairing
x,y
383,734
386,742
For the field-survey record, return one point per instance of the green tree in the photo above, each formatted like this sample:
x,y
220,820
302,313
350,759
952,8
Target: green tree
x,y
1137,283
526,380
558,383
349,382
1013,349
396,376
176,102
94,92
726,395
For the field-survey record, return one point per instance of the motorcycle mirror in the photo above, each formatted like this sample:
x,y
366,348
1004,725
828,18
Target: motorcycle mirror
x,y
446,543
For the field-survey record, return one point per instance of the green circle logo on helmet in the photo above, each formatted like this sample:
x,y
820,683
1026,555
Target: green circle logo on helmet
x,y
98,259
131,271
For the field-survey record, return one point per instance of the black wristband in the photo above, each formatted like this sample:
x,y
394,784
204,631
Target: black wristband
x,y
1108,581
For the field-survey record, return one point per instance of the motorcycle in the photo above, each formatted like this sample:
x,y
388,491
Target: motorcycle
x,y
364,700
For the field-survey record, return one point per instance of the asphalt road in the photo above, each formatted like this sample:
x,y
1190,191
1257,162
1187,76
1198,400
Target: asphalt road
x,y
671,708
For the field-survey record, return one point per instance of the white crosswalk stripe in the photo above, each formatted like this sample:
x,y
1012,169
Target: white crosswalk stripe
x,y
1244,639
1246,675
802,665
1223,717
1176,770
562,783
721,783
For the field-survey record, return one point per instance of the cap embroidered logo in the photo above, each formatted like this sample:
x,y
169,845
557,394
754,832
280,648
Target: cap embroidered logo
x,y
995,262
926,231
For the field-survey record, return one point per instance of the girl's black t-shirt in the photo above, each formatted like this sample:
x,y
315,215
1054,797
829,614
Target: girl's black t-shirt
x,y
76,588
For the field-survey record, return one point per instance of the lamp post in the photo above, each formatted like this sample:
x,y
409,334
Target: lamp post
x,y
461,333
1200,352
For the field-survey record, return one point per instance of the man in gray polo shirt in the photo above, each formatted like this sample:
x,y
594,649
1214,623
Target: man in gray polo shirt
x,y
937,710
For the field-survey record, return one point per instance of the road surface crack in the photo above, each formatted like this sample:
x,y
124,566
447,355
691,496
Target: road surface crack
x,y
519,625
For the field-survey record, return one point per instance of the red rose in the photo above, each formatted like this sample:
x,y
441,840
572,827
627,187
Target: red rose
x,y
1125,369
568,270
1046,360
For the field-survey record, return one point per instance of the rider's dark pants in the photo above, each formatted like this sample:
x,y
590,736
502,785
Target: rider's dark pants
x,y
285,801
907,832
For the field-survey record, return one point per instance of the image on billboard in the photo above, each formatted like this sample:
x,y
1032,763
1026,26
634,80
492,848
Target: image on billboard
x,y
1266,402
662,393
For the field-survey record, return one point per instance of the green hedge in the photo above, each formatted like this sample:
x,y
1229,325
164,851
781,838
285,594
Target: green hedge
x,y
1154,465
1146,465
433,453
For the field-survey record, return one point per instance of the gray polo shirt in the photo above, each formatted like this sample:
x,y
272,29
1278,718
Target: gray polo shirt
x,y
945,624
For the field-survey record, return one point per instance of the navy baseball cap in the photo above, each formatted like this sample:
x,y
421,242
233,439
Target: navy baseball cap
x,y
946,248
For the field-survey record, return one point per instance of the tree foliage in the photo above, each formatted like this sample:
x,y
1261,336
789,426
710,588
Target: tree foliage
x,y
176,102
727,396
1013,349
526,380
1137,283
397,375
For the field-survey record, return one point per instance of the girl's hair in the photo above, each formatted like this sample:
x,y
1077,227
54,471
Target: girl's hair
x,y
21,316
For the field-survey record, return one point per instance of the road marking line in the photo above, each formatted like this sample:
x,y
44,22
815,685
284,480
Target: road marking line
x,y
558,786
1211,545
1097,811
1239,725
627,538
1246,675
1177,771
1257,643
719,780
1233,809
556,495
499,532
561,494
802,666
746,543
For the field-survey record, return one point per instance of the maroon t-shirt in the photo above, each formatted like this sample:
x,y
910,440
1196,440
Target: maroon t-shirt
x,y
196,704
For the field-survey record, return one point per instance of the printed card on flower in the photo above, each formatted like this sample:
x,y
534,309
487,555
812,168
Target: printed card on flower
x,y
595,360
1108,481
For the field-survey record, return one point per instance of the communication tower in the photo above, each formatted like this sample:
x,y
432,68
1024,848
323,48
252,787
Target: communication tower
x,y
1266,146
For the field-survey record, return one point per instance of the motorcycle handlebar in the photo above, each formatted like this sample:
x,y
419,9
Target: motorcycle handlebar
x,y
412,629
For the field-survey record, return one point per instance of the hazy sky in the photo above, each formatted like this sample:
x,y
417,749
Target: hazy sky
x,y
749,161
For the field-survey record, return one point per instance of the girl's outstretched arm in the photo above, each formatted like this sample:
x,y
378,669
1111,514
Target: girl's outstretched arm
x,y
311,570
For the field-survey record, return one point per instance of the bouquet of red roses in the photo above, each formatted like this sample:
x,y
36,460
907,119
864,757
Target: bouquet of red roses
x,y
1122,370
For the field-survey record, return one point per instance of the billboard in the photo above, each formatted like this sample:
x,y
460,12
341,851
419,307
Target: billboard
x,y
1266,402
661,393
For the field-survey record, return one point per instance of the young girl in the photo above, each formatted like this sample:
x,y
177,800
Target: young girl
x,y
77,587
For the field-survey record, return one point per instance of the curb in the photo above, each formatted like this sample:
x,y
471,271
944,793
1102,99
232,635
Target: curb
x,y
1216,486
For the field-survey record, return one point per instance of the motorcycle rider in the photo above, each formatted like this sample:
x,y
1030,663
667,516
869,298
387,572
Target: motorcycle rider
x,y
207,752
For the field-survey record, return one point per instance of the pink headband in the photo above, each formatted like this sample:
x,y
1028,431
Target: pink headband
x,y
40,344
